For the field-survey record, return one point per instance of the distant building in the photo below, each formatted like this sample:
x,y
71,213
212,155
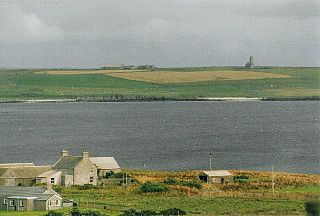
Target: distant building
x,y
29,199
68,170
250,63
130,67
216,176
20,174
76,170
112,67
146,67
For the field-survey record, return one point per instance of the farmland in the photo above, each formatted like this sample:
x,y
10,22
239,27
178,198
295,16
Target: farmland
x,y
175,76
161,84
238,198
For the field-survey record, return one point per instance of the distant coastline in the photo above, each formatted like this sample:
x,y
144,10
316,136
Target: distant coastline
x,y
154,99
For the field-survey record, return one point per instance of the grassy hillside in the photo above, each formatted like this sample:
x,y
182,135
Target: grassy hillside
x,y
252,197
271,82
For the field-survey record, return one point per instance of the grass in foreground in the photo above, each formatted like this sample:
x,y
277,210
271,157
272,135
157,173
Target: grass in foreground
x,y
253,197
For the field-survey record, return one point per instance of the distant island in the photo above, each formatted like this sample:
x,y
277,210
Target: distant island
x,y
149,83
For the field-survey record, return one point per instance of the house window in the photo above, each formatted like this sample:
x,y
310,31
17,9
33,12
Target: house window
x,y
21,203
91,179
57,202
11,202
52,180
4,201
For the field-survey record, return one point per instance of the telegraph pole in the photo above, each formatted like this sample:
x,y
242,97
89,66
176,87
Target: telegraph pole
x,y
272,182
210,160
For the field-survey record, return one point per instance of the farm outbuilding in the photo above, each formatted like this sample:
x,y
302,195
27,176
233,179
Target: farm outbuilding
x,y
216,176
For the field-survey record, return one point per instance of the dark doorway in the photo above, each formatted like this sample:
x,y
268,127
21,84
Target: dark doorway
x,y
203,178
222,181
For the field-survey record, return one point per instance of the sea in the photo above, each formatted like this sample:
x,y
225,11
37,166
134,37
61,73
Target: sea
x,y
246,135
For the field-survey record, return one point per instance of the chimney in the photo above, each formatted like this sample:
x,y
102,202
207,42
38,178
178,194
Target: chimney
x,y
64,153
85,154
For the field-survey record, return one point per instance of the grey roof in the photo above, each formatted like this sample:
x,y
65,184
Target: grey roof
x,y
217,173
9,165
107,163
27,192
67,163
23,172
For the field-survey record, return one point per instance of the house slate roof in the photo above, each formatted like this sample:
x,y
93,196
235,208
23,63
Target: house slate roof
x,y
23,172
27,192
217,173
67,163
105,162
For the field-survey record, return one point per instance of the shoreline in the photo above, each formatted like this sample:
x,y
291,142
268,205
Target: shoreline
x,y
156,99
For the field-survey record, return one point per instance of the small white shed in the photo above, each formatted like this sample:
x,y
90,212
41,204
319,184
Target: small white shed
x,y
216,176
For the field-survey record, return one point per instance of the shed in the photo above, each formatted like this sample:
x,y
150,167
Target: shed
x,y
216,176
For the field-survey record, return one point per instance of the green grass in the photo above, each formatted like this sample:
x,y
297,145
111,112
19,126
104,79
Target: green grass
x,y
292,191
25,84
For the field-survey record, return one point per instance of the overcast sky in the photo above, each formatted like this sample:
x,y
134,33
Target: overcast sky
x,y
90,33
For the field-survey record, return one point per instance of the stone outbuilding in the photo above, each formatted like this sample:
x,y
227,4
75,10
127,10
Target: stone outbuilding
x,y
105,165
20,174
15,198
216,176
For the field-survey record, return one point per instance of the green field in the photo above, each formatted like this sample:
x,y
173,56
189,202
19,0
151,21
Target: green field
x,y
38,84
253,197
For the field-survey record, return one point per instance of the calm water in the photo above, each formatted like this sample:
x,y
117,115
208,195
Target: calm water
x,y
167,135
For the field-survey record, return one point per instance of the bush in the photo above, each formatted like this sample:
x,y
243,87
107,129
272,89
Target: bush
x,y
170,181
312,208
130,212
150,187
148,213
109,174
91,213
75,212
53,213
240,178
173,211
86,187
193,184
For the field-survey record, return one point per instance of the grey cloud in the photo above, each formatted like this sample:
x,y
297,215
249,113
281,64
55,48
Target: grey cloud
x,y
296,9
16,25
163,32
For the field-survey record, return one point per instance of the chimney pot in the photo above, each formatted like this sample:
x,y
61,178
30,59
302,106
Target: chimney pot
x,y
85,154
64,153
